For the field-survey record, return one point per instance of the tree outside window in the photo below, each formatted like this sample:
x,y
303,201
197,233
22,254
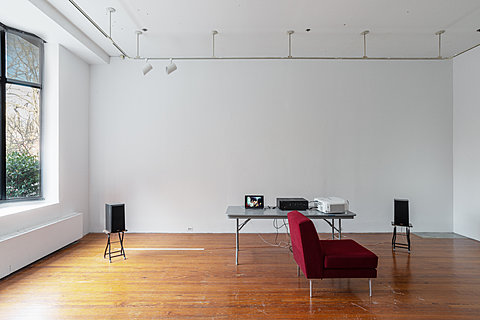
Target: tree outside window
x,y
21,110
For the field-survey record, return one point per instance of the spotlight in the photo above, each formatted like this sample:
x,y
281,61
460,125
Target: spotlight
x,y
147,67
171,67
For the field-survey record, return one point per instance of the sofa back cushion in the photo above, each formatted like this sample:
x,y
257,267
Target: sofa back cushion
x,y
306,248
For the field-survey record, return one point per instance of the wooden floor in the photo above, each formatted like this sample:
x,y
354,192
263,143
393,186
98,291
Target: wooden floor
x,y
440,279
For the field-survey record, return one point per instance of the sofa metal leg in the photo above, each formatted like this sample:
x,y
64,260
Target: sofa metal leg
x,y
370,286
298,271
311,288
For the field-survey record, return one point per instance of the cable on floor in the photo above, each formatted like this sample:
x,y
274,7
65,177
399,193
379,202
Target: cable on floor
x,y
279,243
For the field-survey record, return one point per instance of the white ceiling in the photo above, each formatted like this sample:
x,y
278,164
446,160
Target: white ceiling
x,y
258,27
23,15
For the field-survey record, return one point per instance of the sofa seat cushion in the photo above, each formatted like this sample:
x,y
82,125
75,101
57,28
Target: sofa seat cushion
x,y
347,254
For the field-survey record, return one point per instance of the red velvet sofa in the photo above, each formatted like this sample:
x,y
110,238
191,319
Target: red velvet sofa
x,y
321,259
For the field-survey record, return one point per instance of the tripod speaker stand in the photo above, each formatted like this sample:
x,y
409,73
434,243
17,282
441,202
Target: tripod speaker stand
x,y
401,219
114,223
121,251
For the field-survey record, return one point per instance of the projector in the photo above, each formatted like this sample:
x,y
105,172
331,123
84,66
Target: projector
x,y
332,205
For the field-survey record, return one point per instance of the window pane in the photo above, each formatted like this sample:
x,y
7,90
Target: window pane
x,y
23,141
23,59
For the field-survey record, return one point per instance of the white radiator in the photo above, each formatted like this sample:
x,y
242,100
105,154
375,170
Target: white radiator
x,y
19,249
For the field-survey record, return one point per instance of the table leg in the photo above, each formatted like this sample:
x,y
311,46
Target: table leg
x,y
340,229
236,244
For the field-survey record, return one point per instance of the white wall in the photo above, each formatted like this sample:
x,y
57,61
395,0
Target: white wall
x,y
65,120
466,137
179,149
74,160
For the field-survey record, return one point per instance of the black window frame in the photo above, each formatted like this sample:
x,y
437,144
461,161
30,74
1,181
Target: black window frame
x,y
4,80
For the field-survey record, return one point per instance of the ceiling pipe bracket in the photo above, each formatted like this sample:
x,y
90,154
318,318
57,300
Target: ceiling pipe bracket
x,y
98,27
290,32
364,34
138,33
439,34
214,33
110,10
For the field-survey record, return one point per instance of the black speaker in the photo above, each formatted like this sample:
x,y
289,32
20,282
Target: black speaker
x,y
400,212
114,217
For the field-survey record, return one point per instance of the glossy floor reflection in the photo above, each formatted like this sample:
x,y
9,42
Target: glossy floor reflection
x,y
439,279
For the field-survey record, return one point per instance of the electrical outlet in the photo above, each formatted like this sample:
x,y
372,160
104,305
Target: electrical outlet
x,y
190,229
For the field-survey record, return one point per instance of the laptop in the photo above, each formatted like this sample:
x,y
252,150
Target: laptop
x,y
254,202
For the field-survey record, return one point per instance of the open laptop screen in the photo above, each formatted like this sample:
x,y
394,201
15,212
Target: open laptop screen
x,y
253,202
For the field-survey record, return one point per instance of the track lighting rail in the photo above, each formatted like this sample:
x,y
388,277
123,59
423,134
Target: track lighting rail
x,y
98,27
466,50
289,57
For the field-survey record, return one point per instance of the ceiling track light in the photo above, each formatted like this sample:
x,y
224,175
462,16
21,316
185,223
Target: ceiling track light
x,y
171,67
147,67
364,34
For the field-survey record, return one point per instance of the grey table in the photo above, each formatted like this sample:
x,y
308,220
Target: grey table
x,y
240,213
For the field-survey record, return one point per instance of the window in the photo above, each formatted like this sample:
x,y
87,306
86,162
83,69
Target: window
x,y
20,117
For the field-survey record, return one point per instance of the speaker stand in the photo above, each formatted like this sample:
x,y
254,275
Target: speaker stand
x,y
121,252
396,244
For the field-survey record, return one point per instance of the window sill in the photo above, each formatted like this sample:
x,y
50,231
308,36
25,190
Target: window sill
x,y
16,207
